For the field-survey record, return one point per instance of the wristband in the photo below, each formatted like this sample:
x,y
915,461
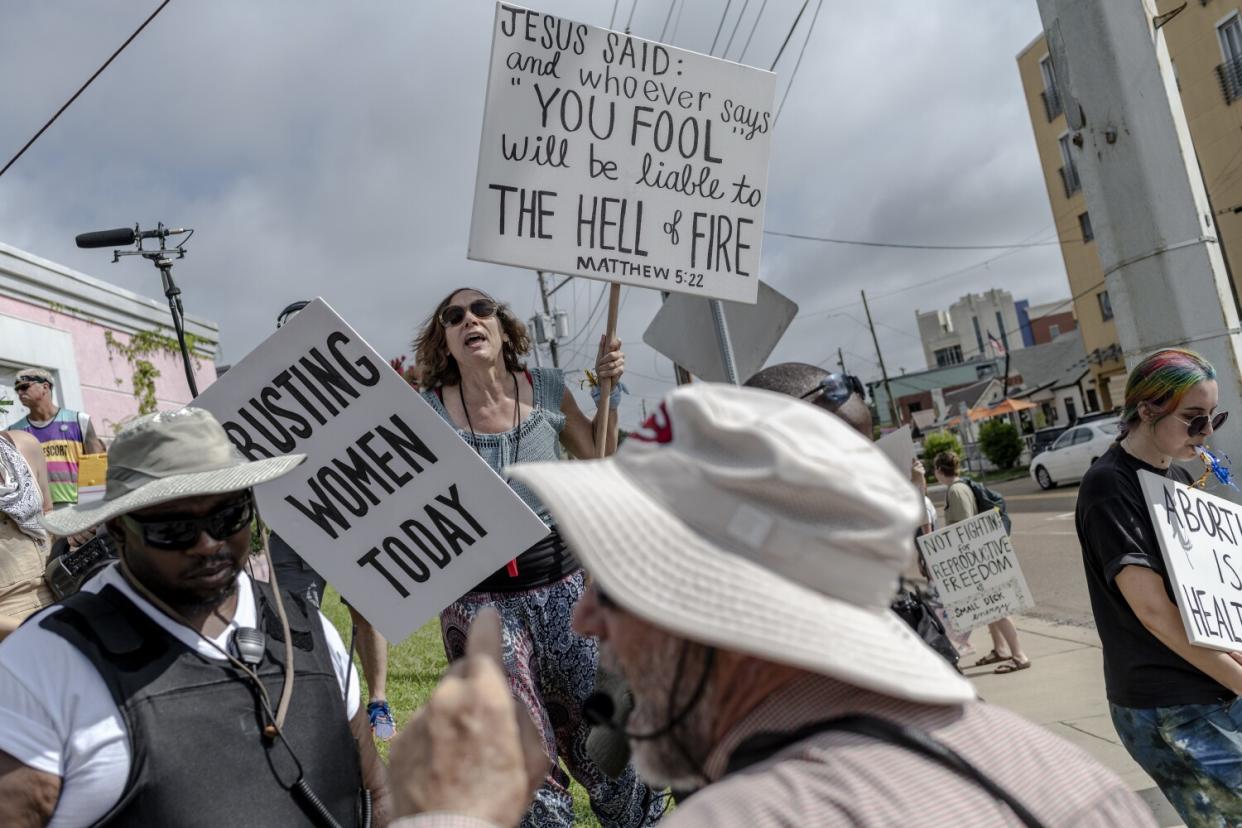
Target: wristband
x,y
614,399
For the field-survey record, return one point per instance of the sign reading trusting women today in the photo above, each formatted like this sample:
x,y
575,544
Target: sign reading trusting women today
x,y
976,571
1201,542
391,506
621,159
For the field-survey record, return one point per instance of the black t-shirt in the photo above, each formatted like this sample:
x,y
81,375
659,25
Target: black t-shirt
x,y
1115,530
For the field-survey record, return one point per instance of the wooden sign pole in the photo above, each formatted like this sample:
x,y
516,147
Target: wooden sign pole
x,y
605,385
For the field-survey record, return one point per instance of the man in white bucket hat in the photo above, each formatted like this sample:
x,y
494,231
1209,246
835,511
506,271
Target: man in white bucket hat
x,y
158,694
743,550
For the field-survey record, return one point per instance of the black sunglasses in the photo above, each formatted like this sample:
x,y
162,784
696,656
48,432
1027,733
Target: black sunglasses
x,y
1198,425
182,533
453,315
837,388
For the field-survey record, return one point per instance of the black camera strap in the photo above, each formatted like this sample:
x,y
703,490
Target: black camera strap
x,y
762,746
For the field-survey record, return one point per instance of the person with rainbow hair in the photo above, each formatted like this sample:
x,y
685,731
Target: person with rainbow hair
x,y
1175,705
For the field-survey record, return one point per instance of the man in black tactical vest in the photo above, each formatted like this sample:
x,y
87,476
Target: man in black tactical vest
x,y
160,693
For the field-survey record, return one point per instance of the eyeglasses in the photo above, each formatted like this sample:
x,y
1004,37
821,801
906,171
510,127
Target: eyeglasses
x,y
453,315
25,382
837,388
1198,425
182,533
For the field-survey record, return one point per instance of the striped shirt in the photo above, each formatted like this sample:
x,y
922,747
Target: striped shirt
x,y
63,443
836,778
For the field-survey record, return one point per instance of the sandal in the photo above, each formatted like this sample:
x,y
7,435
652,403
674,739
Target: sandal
x,y
992,657
1013,666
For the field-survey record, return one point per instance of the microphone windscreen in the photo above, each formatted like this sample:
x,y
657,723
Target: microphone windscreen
x,y
609,750
120,237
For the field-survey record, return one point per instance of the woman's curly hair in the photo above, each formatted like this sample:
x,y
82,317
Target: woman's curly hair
x,y
437,367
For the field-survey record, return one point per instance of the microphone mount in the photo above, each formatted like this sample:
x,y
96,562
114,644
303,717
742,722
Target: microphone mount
x,y
162,257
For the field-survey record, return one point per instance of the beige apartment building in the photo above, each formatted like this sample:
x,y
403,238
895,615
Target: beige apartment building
x,y
1205,44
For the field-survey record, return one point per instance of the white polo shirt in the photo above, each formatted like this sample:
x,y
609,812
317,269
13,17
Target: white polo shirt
x,y
57,716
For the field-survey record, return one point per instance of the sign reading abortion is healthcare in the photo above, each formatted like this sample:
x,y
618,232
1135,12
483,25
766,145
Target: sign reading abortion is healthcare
x,y
391,506
1201,542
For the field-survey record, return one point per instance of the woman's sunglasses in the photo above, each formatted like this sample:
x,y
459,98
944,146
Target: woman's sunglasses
x,y
182,533
1198,425
453,315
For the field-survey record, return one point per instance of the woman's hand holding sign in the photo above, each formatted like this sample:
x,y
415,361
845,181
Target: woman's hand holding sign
x,y
470,749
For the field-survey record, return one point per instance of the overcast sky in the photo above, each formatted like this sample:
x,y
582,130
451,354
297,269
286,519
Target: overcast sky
x,y
329,148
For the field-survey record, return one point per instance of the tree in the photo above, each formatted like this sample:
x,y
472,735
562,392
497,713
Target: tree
x,y
1000,443
937,442
934,444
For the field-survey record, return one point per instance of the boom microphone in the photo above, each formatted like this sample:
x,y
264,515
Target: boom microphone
x,y
122,236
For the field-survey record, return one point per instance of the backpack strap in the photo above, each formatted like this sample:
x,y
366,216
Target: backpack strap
x,y
765,745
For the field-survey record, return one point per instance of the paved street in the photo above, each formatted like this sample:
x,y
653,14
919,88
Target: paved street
x,y
1064,689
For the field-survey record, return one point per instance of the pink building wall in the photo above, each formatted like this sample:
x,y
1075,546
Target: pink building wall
x,y
105,377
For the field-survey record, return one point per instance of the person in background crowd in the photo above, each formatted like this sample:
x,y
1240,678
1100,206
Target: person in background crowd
x,y
842,395
742,552
469,356
960,505
1175,705
294,574
147,697
64,434
23,540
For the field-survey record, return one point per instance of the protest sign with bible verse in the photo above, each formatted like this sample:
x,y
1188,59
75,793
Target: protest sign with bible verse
x,y
621,159
392,507
974,567
1201,543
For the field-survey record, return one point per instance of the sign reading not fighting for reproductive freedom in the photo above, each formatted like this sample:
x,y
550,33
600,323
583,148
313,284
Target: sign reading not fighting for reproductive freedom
x,y
976,571
1201,543
621,159
392,507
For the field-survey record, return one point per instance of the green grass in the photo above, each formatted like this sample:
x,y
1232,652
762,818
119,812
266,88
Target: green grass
x,y
414,667
1004,475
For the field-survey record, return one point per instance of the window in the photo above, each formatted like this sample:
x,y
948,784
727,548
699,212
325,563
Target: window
x,y
949,356
1064,440
1054,331
1069,172
1111,429
1052,98
1084,224
1093,400
978,333
986,370
1106,305
1000,326
1071,414
1230,72
1081,435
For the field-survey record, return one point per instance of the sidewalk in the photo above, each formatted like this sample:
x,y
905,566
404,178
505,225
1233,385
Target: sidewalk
x,y
1064,692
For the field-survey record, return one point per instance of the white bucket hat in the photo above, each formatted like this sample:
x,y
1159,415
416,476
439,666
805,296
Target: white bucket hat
x,y
167,456
750,521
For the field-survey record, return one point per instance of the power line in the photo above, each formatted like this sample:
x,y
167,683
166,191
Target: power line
x,y
736,24
630,21
906,246
667,19
613,19
677,22
753,26
788,35
720,28
798,64
82,89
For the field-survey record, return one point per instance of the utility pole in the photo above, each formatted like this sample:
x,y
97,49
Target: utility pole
x,y
1155,233
888,390
841,360
543,293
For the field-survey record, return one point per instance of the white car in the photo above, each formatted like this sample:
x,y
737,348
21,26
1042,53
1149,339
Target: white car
x,y
1073,453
